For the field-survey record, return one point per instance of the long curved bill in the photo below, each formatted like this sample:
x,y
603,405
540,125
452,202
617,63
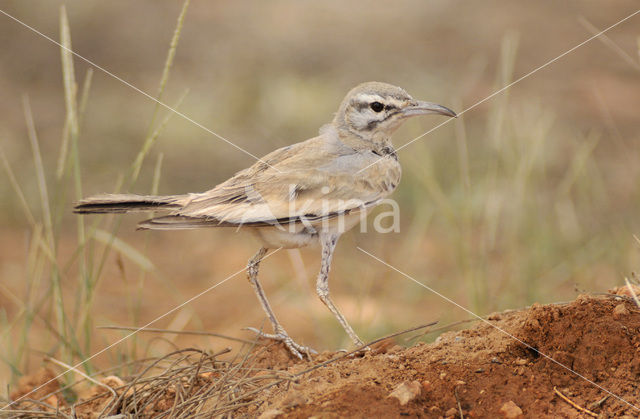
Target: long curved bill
x,y
420,107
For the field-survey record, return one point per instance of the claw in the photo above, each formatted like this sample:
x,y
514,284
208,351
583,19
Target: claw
x,y
282,336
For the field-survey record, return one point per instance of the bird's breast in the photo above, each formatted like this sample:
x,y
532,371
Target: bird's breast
x,y
382,174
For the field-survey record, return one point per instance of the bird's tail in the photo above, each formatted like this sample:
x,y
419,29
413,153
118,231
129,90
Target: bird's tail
x,y
120,203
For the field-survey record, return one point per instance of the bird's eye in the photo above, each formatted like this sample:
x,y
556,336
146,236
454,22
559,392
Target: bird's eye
x,y
377,106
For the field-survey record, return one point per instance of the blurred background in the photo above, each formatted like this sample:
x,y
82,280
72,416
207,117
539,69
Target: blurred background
x,y
531,196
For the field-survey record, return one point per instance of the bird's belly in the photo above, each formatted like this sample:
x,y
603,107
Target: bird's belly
x,y
283,236
339,225
301,235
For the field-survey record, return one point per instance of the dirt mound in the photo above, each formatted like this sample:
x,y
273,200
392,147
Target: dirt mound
x,y
565,360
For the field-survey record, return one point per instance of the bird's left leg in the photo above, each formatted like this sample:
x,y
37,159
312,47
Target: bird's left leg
x,y
279,333
328,242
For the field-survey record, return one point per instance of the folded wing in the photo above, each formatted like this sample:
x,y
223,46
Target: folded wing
x,y
313,180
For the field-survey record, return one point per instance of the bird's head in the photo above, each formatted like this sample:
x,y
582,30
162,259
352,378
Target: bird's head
x,y
374,110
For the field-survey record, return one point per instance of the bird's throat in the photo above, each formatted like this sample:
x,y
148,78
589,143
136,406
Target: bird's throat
x,y
380,145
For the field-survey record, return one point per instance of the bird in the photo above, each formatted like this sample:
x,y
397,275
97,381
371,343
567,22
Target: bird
x,y
310,192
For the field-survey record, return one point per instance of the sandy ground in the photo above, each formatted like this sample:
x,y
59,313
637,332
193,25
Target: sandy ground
x,y
569,360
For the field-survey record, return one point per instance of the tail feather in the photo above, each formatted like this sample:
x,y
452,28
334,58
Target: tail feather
x,y
179,222
184,222
120,203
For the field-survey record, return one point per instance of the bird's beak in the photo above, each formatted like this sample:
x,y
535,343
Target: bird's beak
x,y
419,107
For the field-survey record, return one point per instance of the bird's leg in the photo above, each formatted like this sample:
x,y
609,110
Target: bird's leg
x,y
280,334
328,243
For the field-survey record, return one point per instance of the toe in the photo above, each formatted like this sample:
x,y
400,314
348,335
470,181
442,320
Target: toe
x,y
296,350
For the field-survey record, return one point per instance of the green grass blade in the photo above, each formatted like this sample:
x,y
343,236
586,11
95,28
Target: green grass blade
x,y
18,190
124,249
150,138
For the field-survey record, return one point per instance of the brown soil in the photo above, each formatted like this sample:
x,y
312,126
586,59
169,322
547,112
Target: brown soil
x,y
481,372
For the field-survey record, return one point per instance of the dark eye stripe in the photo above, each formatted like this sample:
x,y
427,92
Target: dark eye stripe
x,y
372,124
383,117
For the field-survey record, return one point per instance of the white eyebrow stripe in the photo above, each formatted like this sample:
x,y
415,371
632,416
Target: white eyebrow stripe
x,y
364,97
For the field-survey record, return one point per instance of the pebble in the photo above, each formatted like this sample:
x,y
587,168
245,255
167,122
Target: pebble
x,y
407,391
510,410
426,386
453,412
620,311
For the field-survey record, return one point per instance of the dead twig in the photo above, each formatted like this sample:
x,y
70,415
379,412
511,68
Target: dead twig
x,y
32,414
572,403
180,332
107,408
598,404
438,329
455,392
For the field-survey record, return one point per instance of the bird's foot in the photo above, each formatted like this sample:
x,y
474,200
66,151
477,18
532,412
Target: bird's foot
x,y
281,336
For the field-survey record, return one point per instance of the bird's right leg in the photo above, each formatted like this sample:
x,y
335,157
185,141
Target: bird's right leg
x,y
280,334
328,243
